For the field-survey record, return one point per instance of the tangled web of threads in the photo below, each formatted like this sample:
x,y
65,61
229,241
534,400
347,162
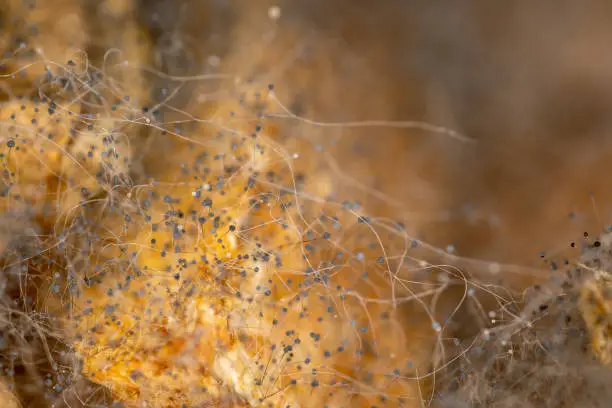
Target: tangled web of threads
x,y
153,258
220,281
